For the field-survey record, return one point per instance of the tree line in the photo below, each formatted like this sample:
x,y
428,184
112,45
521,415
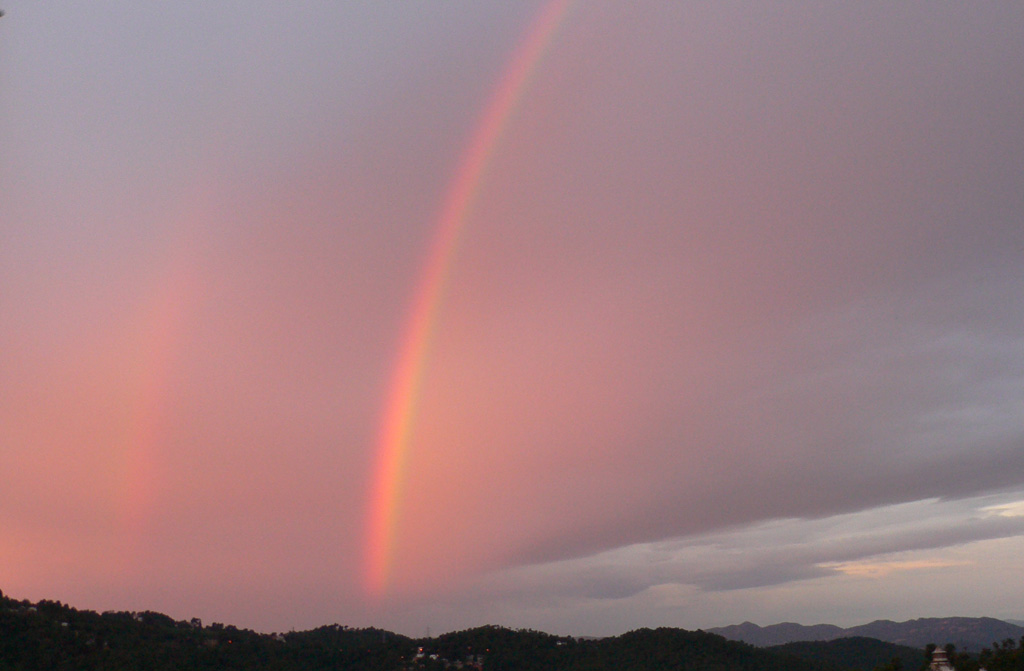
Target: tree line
x,y
56,637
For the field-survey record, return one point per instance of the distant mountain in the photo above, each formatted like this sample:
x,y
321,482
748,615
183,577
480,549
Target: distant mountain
x,y
966,633
855,653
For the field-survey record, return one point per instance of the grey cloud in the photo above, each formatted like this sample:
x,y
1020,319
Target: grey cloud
x,y
886,401
766,554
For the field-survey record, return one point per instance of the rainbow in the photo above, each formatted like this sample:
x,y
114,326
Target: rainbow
x,y
400,409
160,331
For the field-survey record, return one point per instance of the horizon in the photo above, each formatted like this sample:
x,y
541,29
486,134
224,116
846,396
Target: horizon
x,y
1019,623
568,315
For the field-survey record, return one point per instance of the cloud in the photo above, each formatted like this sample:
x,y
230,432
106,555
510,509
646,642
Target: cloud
x,y
882,569
874,404
1012,509
873,542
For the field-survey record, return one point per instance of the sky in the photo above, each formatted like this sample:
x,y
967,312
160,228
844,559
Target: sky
x,y
574,315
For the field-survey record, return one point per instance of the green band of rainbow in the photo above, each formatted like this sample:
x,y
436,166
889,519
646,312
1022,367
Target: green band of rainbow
x,y
400,411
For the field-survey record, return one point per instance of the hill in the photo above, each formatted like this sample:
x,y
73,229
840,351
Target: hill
x,y
966,633
640,650
855,653
49,635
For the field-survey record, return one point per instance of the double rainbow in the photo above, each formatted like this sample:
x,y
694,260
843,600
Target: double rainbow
x,y
400,410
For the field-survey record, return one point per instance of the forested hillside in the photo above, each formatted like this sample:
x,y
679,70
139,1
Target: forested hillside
x,y
856,653
52,636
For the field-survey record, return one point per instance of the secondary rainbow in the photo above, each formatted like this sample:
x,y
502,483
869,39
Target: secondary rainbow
x,y
400,410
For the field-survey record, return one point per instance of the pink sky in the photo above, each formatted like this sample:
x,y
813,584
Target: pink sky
x,y
734,316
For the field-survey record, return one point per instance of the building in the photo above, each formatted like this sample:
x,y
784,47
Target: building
x,y
940,661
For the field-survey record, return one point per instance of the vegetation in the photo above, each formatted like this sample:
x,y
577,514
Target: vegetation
x,y
1005,656
52,636
857,653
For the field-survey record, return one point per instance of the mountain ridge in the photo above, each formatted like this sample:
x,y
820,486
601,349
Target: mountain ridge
x,y
966,633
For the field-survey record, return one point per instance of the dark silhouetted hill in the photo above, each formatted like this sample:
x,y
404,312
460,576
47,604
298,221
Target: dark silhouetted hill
x,y
51,636
855,653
